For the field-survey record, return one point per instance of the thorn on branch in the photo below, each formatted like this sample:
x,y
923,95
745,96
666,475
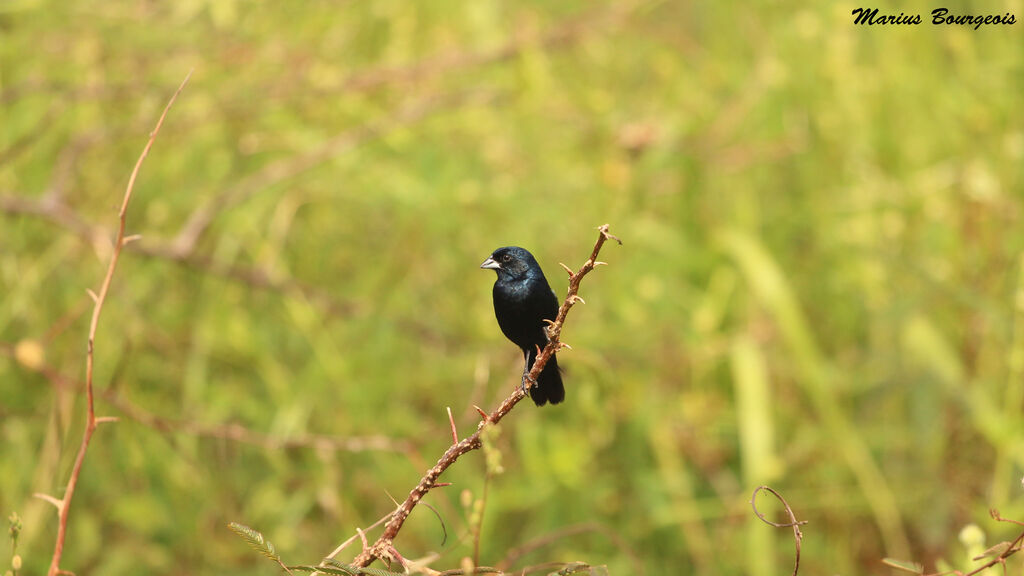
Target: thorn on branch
x,y
401,560
105,419
59,504
129,239
576,298
383,548
342,546
481,412
93,295
455,434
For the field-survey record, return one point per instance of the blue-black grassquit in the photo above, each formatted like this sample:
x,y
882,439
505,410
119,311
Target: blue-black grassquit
x,y
522,301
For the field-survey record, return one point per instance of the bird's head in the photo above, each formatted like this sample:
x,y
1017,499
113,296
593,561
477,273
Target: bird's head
x,y
510,262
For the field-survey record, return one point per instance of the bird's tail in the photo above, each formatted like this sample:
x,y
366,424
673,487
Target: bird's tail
x,y
549,384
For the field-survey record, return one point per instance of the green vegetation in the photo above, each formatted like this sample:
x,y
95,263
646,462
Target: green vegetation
x,y
821,286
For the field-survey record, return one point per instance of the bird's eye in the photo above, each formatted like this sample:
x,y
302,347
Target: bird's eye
x,y
506,257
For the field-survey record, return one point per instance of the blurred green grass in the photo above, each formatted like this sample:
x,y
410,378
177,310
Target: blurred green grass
x,y
820,287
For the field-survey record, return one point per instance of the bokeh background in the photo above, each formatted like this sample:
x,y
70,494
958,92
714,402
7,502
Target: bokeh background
x,y
821,286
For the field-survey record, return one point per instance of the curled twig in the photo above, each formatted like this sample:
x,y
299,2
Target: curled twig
x,y
383,548
793,522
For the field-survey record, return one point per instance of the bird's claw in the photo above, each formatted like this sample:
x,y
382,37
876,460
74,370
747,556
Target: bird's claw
x,y
532,383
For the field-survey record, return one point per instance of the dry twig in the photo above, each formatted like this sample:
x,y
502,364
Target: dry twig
x,y
383,548
91,421
994,555
793,522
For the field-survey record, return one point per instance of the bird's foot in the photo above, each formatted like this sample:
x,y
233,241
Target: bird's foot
x,y
526,379
550,325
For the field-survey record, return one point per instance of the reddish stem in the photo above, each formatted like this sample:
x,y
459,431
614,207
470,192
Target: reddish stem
x,y
383,547
99,299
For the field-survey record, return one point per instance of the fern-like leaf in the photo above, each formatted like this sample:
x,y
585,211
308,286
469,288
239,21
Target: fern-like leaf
x,y
332,566
325,570
256,540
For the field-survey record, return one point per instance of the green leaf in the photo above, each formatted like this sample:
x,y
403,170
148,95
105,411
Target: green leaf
x,y
374,572
332,566
904,565
256,540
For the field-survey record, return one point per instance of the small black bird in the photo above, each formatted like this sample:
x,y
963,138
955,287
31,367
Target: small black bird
x,y
522,301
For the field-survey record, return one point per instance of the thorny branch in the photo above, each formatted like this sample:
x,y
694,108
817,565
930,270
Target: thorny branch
x,y
1000,552
99,298
383,548
184,247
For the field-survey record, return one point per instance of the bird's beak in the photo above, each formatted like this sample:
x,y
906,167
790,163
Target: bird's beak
x,y
491,264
